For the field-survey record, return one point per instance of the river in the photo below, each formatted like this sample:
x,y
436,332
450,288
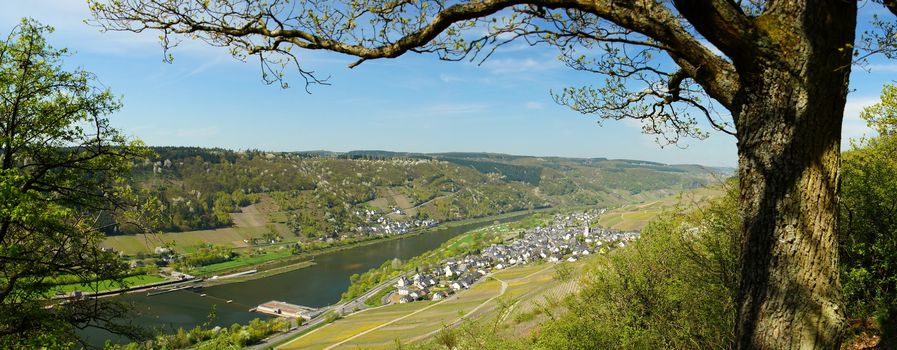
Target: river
x,y
318,285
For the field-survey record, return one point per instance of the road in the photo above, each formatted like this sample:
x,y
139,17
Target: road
x,y
345,308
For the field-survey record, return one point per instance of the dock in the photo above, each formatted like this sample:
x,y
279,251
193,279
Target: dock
x,y
153,292
284,309
238,274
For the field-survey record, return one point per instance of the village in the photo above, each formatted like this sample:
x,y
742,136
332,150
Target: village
x,y
568,238
381,225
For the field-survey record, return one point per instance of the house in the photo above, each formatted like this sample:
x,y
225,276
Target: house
x,y
456,285
405,299
403,282
403,290
469,280
424,282
438,296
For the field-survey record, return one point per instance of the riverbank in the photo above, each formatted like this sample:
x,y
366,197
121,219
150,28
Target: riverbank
x,y
305,259
318,285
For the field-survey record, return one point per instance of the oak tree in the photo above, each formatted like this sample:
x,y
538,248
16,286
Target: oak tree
x,y
777,82
62,178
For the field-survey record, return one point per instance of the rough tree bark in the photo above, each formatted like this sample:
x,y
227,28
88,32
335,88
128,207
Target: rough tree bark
x,y
788,115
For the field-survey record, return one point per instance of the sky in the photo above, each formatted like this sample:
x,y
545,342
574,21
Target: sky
x,y
414,103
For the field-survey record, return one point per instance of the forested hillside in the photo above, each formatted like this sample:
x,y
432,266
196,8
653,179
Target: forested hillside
x,y
321,194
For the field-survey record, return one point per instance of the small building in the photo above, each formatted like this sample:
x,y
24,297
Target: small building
x,y
403,282
403,290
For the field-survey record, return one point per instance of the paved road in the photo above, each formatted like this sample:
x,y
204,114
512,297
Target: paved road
x,y
344,308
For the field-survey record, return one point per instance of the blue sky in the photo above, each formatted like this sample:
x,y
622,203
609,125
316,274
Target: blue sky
x,y
413,103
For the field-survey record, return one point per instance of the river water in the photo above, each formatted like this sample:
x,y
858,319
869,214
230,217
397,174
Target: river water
x,y
316,286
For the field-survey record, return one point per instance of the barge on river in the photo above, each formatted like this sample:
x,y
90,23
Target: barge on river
x,y
284,309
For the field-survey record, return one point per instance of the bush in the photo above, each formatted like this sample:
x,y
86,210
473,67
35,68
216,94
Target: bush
x,y
868,227
674,288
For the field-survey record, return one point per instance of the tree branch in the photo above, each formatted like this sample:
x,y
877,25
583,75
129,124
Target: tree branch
x,y
725,25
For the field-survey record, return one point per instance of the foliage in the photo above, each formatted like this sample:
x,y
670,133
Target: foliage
x,y
459,246
325,195
527,174
206,255
62,180
869,221
674,288
235,337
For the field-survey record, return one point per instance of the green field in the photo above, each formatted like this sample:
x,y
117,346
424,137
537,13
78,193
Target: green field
x,y
240,261
105,285
636,216
186,241
379,328
252,222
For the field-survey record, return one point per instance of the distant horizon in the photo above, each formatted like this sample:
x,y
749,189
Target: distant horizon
x,y
439,153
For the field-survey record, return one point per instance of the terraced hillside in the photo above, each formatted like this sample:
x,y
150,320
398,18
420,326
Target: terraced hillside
x,y
234,198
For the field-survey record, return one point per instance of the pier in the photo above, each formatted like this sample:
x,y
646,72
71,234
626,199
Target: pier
x,y
284,309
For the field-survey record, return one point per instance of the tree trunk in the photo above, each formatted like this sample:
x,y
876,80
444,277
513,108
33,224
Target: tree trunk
x,y
889,330
789,116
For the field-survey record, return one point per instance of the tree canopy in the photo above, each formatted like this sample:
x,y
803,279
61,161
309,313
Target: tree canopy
x,y
869,221
62,171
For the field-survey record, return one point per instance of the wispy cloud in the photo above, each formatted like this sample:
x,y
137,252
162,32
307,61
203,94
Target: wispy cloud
x,y
521,65
448,78
534,105
453,109
853,126
205,66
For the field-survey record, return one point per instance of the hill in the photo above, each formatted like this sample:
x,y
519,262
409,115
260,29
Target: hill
x,y
241,196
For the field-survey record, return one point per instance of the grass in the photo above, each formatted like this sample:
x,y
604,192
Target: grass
x,y
101,286
241,261
636,216
526,283
187,241
249,224
377,299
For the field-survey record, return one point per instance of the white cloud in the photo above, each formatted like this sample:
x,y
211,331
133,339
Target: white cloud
x,y
453,109
534,105
516,65
853,126
69,16
205,66
855,105
448,78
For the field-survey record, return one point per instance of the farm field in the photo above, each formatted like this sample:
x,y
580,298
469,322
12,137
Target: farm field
x,y
389,199
382,327
636,216
251,223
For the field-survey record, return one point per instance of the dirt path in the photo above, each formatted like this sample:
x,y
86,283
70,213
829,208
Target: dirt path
x,y
504,287
430,201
